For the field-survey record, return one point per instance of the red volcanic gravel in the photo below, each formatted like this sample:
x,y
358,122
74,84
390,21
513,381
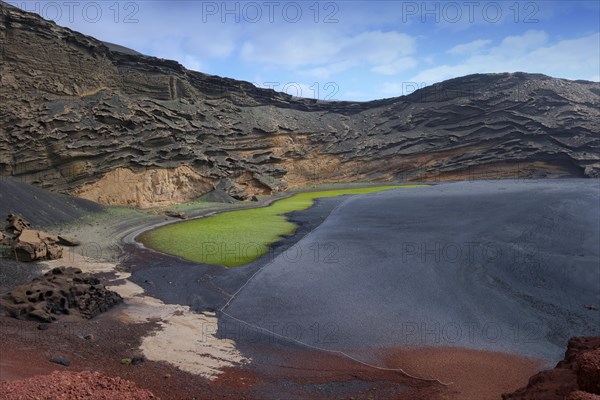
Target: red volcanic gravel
x,y
64,385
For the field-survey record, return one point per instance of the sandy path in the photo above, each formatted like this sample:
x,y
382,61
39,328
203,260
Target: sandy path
x,y
185,339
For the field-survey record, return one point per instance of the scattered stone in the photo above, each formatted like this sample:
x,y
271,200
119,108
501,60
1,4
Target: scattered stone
x,y
126,361
166,376
176,214
88,336
62,291
16,224
43,326
68,241
254,198
137,360
60,360
591,307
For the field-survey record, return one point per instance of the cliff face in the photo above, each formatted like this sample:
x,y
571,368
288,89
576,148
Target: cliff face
x,y
75,113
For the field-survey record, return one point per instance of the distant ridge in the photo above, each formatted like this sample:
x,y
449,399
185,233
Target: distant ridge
x,y
76,111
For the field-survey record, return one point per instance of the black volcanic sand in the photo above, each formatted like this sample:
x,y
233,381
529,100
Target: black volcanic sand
x,y
43,209
503,266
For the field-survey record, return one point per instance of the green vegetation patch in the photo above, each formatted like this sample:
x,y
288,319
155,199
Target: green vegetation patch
x,y
238,237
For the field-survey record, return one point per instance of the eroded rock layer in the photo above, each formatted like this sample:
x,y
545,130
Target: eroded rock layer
x,y
76,114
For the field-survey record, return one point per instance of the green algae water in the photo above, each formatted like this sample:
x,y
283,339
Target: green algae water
x,y
238,237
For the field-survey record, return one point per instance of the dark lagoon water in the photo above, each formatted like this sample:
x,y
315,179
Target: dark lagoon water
x,y
508,266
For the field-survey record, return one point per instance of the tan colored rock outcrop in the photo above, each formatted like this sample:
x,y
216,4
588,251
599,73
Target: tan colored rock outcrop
x,y
31,245
152,187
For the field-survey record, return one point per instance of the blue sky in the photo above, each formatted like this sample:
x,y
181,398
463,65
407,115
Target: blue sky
x,y
347,50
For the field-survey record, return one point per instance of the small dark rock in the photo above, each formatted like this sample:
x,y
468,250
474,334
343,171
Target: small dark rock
x,y
254,198
60,360
68,241
43,326
175,214
137,360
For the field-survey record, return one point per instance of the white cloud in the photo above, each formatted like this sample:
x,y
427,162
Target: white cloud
x,y
468,48
516,45
529,52
322,54
395,67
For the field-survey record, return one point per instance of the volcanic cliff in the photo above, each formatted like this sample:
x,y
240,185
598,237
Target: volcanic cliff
x,y
119,127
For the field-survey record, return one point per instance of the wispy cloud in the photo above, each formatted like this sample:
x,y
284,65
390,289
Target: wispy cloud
x,y
468,48
530,52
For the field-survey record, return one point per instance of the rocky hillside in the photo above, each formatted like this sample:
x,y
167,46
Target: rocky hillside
x,y
123,128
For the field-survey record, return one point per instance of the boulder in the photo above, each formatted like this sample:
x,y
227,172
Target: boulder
x,y
62,291
31,245
218,196
68,241
15,224
176,214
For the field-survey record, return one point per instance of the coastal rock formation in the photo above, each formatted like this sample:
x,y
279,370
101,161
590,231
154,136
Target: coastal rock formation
x,y
62,291
577,377
80,118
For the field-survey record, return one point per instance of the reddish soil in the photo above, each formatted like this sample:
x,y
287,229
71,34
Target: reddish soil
x,y
72,386
101,343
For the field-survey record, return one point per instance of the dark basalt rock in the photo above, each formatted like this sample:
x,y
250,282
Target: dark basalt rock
x,y
62,291
74,110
